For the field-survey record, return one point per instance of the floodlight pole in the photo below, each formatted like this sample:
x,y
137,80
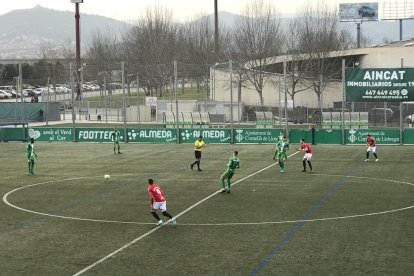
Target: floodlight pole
x,y
78,60
401,112
343,102
216,31
358,35
285,88
123,101
231,101
176,102
72,102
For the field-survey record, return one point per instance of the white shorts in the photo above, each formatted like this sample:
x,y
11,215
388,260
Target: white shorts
x,y
371,149
307,156
160,205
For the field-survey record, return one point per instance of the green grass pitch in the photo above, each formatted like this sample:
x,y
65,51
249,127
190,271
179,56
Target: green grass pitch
x,y
348,217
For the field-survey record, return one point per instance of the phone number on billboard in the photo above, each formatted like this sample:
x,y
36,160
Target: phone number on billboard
x,y
373,92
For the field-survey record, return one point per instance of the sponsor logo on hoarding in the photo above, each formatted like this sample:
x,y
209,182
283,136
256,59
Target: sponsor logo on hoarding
x,y
220,135
146,134
384,137
95,135
51,134
256,136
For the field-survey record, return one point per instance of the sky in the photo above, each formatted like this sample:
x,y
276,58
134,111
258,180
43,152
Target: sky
x,y
133,9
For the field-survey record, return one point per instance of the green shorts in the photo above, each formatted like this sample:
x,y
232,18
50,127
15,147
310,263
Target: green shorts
x,y
281,155
228,174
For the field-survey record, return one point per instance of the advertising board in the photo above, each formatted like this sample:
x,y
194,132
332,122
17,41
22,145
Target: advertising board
x,y
51,134
379,84
257,136
358,11
381,136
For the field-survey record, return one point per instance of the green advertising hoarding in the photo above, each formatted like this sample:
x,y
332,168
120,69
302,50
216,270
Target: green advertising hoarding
x,y
210,135
51,134
253,136
382,136
328,136
296,134
379,84
408,136
13,134
257,136
133,135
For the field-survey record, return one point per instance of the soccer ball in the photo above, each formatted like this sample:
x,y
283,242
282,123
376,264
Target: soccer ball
x,y
107,176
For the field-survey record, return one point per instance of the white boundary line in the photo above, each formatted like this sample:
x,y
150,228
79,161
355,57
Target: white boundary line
x,y
193,206
5,200
180,214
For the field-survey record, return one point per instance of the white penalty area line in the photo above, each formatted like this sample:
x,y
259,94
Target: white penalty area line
x,y
177,216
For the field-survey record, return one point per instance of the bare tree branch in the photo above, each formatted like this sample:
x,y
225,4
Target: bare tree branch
x,y
258,36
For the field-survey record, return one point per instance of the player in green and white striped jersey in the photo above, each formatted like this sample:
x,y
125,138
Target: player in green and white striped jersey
x,y
279,138
282,146
115,137
233,163
31,156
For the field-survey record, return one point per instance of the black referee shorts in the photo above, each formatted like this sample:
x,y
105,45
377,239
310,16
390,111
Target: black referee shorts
x,y
197,154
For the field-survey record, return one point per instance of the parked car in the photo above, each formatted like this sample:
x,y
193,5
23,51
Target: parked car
x,y
15,94
62,89
410,119
28,93
38,91
366,11
5,94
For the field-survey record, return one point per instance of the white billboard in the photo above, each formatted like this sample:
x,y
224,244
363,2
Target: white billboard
x,y
358,11
151,101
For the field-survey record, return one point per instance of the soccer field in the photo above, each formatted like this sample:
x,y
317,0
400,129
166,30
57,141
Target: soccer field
x,y
347,217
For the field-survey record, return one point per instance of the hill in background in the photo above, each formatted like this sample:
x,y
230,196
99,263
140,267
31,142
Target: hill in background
x,y
378,32
22,32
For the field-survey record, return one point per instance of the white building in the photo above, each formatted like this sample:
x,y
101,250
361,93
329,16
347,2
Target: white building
x,y
393,55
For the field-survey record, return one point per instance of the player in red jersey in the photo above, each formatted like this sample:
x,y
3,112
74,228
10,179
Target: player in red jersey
x,y
158,201
371,147
308,154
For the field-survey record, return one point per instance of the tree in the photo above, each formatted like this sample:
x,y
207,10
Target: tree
x,y
52,54
103,53
68,50
150,48
9,72
27,72
197,54
257,37
41,72
319,43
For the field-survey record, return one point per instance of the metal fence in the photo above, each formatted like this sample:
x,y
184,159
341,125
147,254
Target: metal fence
x,y
133,93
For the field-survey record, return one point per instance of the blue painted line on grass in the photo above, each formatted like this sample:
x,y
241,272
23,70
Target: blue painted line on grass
x,y
299,225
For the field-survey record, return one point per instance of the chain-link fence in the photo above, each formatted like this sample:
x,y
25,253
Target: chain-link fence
x,y
144,94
